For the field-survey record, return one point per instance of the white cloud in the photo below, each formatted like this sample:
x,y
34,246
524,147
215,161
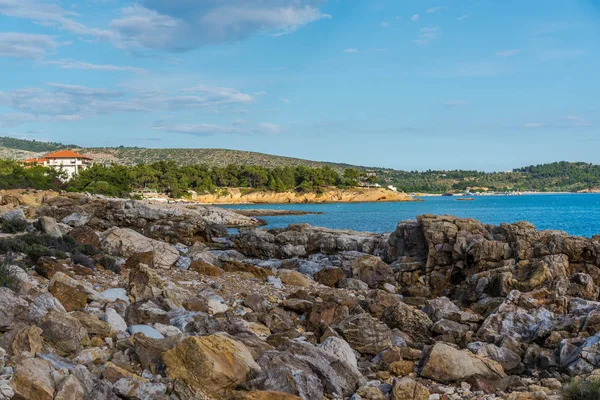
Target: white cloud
x,y
269,128
49,14
463,17
351,51
434,9
25,45
69,64
456,103
285,101
568,122
428,34
183,25
222,95
508,53
415,17
197,129
385,24
83,90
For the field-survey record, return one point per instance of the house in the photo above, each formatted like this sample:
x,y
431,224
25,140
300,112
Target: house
x,y
65,160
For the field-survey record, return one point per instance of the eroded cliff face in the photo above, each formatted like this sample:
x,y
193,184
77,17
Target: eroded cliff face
x,y
237,196
116,299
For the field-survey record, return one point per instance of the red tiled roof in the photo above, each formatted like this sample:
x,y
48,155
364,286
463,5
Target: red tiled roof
x,y
66,154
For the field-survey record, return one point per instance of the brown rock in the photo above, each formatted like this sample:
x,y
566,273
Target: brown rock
x,y
294,278
409,320
263,395
93,325
85,235
69,297
236,266
63,331
28,340
210,363
144,283
150,351
409,389
365,334
401,368
372,270
32,380
113,373
70,389
205,268
135,260
47,267
330,276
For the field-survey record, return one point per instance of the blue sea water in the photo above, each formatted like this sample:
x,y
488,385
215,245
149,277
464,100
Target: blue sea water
x,y
576,214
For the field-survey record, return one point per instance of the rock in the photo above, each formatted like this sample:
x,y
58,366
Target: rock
x,y
47,267
401,368
205,268
114,320
372,270
144,283
66,283
352,284
63,331
134,389
294,278
150,351
12,308
127,242
76,220
70,389
13,215
330,276
339,348
146,312
210,363
93,355
447,364
409,320
450,328
113,373
409,389
32,380
112,295
68,295
304,370
365,334
50,227
43,303
148,331
28,340
85,235
503,356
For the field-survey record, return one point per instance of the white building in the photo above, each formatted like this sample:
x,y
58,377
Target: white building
x,y
64,160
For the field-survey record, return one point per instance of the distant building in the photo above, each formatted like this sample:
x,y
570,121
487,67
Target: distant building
x,y
64,160
392,188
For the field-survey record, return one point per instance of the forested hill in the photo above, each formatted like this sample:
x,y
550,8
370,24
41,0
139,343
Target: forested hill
x,y
559,176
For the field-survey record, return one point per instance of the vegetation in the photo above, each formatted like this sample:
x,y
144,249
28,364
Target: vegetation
x,y
31,145
14,226
36,246
582,390
7,273
110,264
13,175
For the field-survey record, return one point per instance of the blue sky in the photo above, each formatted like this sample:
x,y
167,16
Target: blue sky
x,y
414,84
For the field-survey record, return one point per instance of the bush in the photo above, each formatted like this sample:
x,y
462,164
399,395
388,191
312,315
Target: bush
x,y
7,274
14,226
582,390
84,260
110,264
36,246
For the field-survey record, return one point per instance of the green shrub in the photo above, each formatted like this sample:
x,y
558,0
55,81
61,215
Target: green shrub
x,y
84,260
110,264
36,246
14,226
7,274
582,390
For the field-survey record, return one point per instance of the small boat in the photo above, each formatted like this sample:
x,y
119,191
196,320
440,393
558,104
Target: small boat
x,y
465,199
448,194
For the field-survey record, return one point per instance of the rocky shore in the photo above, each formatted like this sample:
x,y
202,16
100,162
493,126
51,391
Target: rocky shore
x,y
115,299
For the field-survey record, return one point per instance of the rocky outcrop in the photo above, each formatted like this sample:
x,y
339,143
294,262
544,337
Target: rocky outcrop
x,y
127,242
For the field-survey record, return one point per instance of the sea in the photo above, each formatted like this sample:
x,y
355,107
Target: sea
x,y
576,214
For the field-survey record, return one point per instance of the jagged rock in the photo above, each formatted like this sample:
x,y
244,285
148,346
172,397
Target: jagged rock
x,y
47,267
85,235
134,389
114,320
70,389
409,320
50,227
294,278
205,268
503,356
409,389
92,355
372,270
68,295
339,348
124,242
330,276
43,303
447,364
146,312
63,331
210,363
28,340
146,330
33,380
365,334
13,215
76,220
112,295
12,308
67,283
352,284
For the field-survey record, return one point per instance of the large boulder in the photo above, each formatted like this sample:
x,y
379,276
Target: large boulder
x,y
409,389
63,331
124,242
210,363
446,364
409,320
50,227
372,270
365,334
85,235
12,308
33,380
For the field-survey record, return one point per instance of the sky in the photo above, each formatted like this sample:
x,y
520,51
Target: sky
x,y
407,84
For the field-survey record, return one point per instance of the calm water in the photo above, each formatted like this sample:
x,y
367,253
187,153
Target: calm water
x,y
577,214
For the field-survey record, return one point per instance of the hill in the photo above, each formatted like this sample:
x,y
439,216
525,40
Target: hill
x,y
558,176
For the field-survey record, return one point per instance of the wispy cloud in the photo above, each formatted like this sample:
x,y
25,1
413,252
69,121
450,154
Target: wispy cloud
x,y
285,101
198,129
351,50
415,18
428,34
385,24
25,45
568,122
508,53
463,17
434,9
70,64
269,128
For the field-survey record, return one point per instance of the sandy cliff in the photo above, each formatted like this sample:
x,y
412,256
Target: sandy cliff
x,y
237,196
